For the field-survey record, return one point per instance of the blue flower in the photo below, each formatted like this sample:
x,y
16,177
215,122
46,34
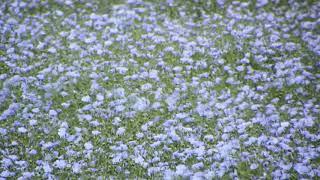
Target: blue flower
x,y
301,168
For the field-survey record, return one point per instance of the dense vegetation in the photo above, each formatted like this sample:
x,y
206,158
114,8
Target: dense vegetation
x,y
159,89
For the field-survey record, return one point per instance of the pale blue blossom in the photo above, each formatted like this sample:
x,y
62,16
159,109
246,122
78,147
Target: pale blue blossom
x,y
53,113
100,97
253,166
121,131
62,132
52,50
86,99
141,104
76,168
47,168
88,145
22,130
61,164
6,174
301,168
10,111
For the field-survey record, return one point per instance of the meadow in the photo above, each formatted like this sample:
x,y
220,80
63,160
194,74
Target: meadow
x,y
175,89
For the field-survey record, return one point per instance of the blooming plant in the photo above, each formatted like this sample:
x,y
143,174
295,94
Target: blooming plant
x,y
160,89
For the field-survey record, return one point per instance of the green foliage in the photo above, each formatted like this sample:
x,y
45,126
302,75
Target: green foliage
x,y
4,68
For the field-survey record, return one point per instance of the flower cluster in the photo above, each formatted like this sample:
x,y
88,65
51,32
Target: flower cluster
x,y
174,89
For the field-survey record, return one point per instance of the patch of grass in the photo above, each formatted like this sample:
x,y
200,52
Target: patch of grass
x,y
255,130
4,68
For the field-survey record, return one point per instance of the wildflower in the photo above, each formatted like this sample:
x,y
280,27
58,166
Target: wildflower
x,y
209,138
182,170
76,168
139,160
285,124
141,104
61,164
290,46
181,115
171,101
6,162
153,74
52,50
27,175
86,99
6,174
198,166
122,70
47,168
100,97
73,74
74,46
62,132
59,13
10,111
119,92
22,130
3,131
253,166
33,152
221,2
88,145
90,39
120,108
120,131
35,110
146,87
53,113
261,3
174,136
307,25
139,135
301,168
96,133
156,105
65,105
